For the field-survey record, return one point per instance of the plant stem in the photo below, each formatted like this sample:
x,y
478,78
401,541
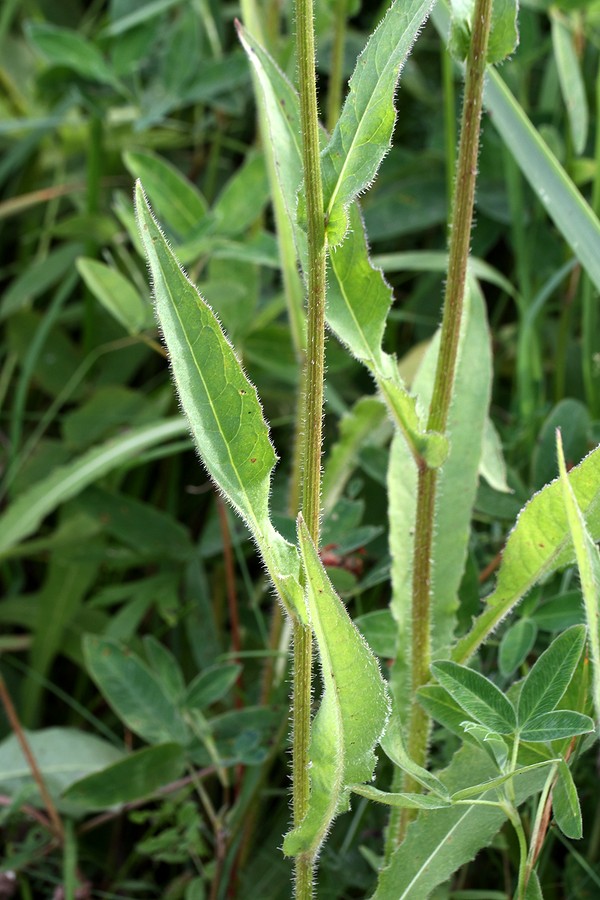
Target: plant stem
x,y
460,237
313,410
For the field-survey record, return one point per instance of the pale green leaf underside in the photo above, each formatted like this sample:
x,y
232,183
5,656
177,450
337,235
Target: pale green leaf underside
x,y
363,133
540,543
353,711
221,405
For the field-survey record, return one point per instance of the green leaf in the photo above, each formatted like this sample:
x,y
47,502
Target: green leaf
x,y
439,842
494,745
538,545
478,696
134,692
571,81
550,676
401,801
282,112
222,406
393,746
503,37
27,512
358,303
363,132
353,711
176,200
516,645
165,667
565,804
494,783
379,630
64,755
211,685
533,891
442,707
117,294
64,47
243,198
563,202
138,775
556,725
588,562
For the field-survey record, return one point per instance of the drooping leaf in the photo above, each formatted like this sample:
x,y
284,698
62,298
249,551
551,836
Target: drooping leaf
x,y
134,692
478,696
138,775
392,744
363,133
565,804
540,543
65,47
222,406
549,678
475,789
400,800
353,711
588,562
556,725
493,744
24,516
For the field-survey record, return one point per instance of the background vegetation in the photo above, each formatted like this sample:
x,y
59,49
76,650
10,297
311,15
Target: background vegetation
x,y
112,537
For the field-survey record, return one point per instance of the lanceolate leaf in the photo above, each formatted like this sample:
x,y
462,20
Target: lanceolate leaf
x,y
353,711
550,676
565,804
556,725
478,696
222,406
363,133
393,745
358,303
540,543
402,801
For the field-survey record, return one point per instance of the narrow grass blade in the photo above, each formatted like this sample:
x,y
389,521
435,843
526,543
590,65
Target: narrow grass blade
x,y
549,678
540,543
353,711
222,406
588,561
363,133
25,515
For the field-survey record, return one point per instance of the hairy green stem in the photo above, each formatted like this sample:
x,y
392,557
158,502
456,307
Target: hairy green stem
x,y
313,411
460,237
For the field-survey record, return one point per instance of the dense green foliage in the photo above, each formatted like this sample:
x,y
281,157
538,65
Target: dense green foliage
x,y
139,642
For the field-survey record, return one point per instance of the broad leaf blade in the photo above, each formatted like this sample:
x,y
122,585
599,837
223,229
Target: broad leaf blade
x,y
556,725
539,544
134,692
550,676
353,711
138,775
477,695
221,405
363,133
